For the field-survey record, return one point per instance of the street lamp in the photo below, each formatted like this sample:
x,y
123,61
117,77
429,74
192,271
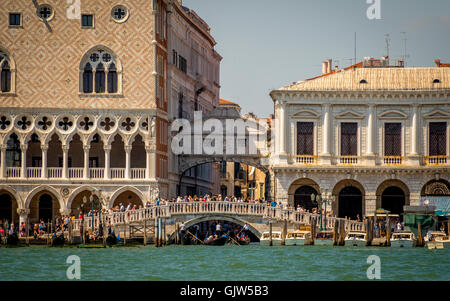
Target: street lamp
x,y
325,198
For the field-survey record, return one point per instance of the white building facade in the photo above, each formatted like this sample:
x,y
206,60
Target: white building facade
x,y
374,137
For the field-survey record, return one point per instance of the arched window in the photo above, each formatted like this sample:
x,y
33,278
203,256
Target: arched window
x,y
100,72
100,79
87,79
5,76
112,78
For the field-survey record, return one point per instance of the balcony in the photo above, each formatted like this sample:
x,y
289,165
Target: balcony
x,y
436,160
348,160
75,173
306,159
393,160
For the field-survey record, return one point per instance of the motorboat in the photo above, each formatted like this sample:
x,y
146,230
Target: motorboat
x,y
298,238
324,238
402,239
356,239
265,238
437,240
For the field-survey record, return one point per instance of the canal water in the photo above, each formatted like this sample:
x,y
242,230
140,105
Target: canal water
x,y
226,263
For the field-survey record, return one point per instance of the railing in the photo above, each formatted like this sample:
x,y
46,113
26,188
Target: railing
x,y
76,172
436,160
34,172
54,172
306,159
118,173
96,173
138,173
241,209
13,172
348,160
393,160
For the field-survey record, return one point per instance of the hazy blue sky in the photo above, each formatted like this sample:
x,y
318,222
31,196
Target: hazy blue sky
x,y
268,44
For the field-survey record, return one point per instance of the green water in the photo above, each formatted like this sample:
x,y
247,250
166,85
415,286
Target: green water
x,y
252,262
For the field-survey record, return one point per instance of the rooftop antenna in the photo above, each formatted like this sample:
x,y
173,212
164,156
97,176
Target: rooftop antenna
x,y
388,41
405,54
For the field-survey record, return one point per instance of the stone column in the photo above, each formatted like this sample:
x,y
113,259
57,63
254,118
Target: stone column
x,y
370,200
325,157
150,167
282,122
44,148
65,170
370,142
127,161
86,149
107,149
3,161
413,156
23,215
23,168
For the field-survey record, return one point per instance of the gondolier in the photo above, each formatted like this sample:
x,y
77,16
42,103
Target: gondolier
x,y
245,229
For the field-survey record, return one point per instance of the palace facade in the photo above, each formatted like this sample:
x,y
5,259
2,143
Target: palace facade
x,y
373,135
87,97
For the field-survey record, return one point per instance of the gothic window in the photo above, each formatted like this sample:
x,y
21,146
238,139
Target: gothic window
x,y
100,79
5,76
87,79
305,139
13,151
349,140
112,79
438,139
101,72
393,139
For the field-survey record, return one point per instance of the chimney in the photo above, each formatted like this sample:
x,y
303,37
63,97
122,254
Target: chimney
x,y
324,67
438,63
336,68
329,64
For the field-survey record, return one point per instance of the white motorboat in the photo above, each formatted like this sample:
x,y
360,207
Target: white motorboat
x,y
437,240
403,239
298,238
324,238
356,239
265,239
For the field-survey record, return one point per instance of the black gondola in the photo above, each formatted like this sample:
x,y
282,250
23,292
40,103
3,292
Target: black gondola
x,y
58,240
111,240
243,240
186,239
221,241
12,240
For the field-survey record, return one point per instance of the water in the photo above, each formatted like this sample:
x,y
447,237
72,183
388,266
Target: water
x,y
226,263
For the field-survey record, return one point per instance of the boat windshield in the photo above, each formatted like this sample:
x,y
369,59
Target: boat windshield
x,y
299,235
401,236
325,235
356,236
266,235
276,235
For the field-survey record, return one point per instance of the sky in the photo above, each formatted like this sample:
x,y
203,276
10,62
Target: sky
x,y
267,44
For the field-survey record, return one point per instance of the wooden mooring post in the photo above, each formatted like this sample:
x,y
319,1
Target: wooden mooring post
x,y
270,233
369,232
28,232
313,229
164,233
155,231
145,232
283,237
388,232
419,242
336,233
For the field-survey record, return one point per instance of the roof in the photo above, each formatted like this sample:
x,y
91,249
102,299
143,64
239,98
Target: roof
x,y
227,102
376,79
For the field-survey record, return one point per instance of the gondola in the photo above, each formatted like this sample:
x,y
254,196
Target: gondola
x,y
244,240
186,239
111,240
221,241
58,240
12,240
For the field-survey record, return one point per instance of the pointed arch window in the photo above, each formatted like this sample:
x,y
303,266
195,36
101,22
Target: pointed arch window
x,y
100,73
87,79
100,79
6,77
112,79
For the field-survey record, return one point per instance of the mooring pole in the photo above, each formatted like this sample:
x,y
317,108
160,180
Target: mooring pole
x,y
336,232
283,241
145,233
270,233
155,231
419,235
388,232
28,232
164,233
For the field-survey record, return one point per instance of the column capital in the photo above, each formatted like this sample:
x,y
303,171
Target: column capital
x,y
86,147
3,147
150,147
107,147
23,211
24,147
44,147
128,148
65,148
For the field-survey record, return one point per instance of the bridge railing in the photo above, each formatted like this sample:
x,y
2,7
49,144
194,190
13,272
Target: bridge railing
x,y
245,209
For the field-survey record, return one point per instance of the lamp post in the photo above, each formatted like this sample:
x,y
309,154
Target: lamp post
x,y
320,199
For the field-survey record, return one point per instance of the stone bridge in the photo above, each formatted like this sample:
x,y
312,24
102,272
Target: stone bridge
x,y
257,216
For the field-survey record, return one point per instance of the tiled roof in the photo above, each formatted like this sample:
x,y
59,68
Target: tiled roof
x,y
226,102
377,79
